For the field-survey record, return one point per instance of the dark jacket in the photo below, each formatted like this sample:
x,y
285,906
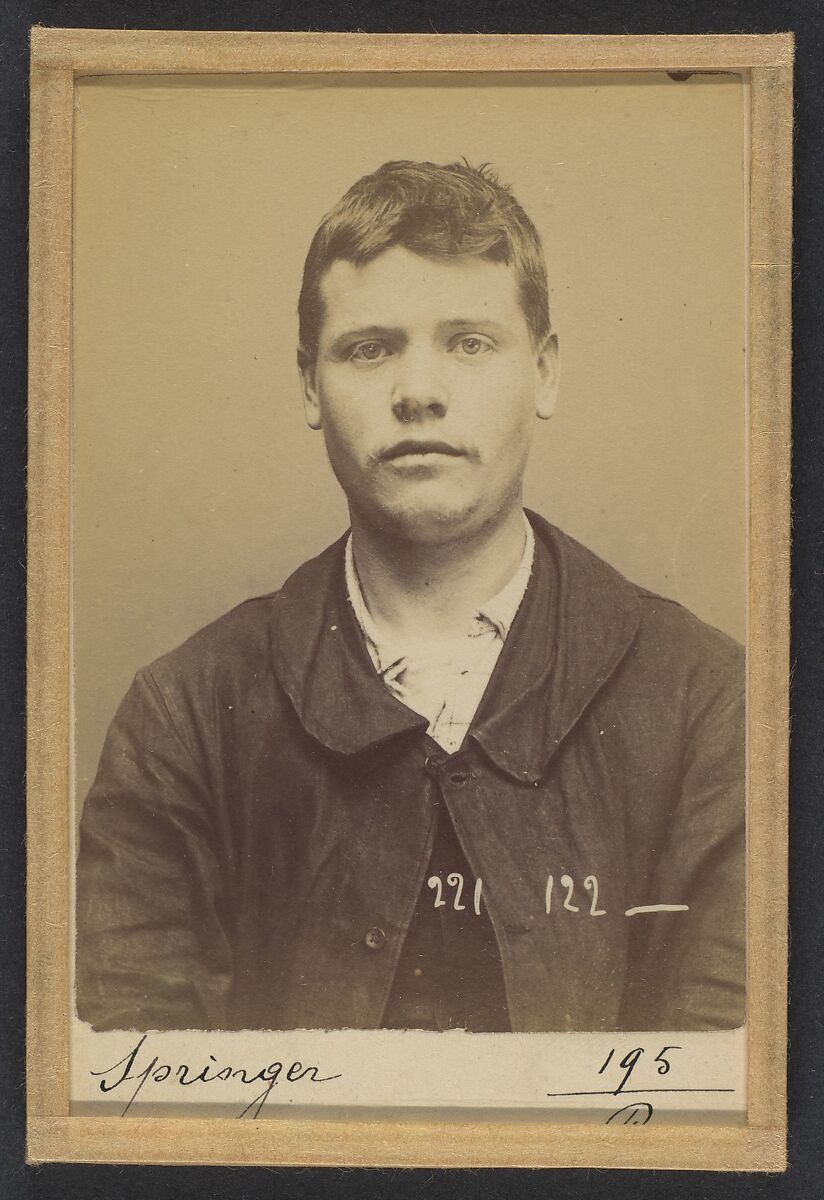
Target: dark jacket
x,y
257,837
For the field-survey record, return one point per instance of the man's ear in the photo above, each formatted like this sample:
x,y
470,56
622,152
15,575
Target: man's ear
x,y
311,402
548,368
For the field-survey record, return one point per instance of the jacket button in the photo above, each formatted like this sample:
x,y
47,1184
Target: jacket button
x,y
374,939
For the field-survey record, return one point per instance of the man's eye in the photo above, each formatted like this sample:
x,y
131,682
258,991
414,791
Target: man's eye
x,y
369,352
473,345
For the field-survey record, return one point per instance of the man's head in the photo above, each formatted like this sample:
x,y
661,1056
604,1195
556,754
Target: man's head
x,y
437,212
425,346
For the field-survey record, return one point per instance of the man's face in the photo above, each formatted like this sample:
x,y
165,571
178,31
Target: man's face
x,y
426,386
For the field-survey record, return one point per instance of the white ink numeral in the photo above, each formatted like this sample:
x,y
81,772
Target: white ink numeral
x,y
591,885
568,884
456,880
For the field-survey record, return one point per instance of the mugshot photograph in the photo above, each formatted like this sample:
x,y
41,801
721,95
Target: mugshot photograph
x,y
456,772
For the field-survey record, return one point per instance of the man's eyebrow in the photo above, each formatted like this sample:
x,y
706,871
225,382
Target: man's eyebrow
x,y
363,334
479,323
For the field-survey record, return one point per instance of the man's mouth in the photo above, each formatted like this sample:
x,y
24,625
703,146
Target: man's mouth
x,y
403,449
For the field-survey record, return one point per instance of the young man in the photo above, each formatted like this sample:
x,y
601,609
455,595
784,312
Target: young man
x,y
457,772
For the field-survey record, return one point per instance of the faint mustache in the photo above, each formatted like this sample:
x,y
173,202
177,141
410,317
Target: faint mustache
x,y
417,447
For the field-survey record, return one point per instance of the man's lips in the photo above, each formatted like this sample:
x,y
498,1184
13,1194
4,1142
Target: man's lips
x,y
402,449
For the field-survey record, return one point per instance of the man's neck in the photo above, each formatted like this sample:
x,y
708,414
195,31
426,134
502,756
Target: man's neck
x,y
420,591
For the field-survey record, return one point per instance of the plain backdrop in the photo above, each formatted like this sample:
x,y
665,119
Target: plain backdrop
x,y
196,482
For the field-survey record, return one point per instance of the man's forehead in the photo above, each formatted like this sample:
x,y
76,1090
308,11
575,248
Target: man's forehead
x,y
401,283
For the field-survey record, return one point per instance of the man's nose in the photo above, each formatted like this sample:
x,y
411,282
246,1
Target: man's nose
x,y
420,390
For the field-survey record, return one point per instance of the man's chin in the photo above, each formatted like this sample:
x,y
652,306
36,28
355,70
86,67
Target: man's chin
x,y
429,525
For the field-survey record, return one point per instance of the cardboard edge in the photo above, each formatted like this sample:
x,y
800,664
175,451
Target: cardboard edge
x,y
57,57
48,648
405,1144
769,349
104,51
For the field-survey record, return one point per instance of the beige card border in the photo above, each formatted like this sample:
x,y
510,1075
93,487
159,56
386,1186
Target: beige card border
x,y
58,57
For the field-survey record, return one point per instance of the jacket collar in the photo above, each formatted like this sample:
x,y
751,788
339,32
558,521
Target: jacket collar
x,y
578,619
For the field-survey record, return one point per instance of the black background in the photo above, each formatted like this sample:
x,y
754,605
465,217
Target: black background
x,y
805,1178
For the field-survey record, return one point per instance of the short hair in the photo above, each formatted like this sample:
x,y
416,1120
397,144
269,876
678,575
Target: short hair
x,y
436,211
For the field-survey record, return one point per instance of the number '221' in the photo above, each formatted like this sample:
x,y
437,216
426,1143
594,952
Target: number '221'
x,y
456,880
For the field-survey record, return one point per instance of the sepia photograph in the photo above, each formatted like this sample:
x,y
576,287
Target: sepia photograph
x,y
410,644
351,802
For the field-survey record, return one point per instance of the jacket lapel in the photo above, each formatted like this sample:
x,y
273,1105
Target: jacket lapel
x,y
578,620
322,662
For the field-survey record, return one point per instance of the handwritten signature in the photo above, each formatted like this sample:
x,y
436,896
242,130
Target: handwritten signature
x,y
131,1069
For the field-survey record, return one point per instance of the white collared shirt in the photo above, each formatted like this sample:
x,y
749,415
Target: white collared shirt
x,y
444,679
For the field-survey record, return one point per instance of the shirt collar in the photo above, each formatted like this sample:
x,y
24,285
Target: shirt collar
x,y
502,609
577,621
499,611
